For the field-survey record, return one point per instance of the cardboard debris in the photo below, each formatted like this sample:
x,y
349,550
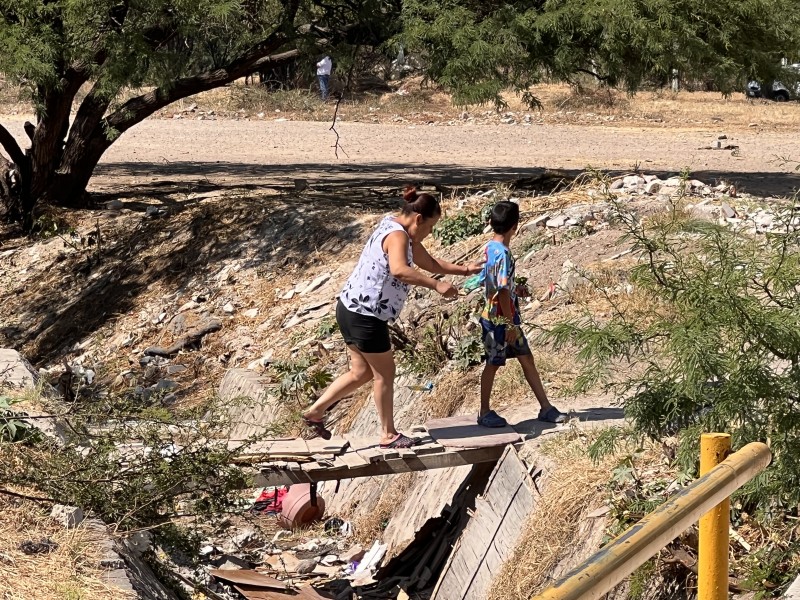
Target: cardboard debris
x,y
249,577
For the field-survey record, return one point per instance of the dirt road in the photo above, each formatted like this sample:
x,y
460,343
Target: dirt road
x,y
269,152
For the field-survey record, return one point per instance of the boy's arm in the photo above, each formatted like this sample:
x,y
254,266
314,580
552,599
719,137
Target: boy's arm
x,y
424,260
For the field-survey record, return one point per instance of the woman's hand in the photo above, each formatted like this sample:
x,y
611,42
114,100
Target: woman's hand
x,y
446,289
475,267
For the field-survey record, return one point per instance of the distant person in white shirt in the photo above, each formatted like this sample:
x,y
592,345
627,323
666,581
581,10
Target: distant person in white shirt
x,y
323,74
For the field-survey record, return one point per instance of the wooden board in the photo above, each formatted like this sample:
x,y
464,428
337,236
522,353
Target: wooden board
x,y
353,460
491,534
464,432
269,476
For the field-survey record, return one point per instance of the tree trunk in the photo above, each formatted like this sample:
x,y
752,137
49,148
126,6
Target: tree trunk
x,y
56,169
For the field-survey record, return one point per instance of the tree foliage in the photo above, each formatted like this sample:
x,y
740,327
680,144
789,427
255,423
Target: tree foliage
x,y
710,339
136,57
478,49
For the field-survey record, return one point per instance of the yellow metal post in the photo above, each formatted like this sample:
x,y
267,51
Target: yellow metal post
x,y
712,559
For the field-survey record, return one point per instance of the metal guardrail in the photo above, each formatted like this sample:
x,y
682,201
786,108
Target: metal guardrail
x,y
612,564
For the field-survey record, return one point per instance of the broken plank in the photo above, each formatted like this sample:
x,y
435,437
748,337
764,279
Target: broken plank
x,y
371,455
291,448
354,460
389,453
424,449
335,445
315,466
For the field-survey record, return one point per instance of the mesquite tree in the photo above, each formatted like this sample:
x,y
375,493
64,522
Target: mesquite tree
x,y
135,57
479,49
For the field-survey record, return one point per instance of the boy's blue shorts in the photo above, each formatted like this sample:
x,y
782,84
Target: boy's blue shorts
x,y
496,350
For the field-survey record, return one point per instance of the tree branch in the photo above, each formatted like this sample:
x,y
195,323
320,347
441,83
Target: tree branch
x,y
141,107
11,147
603,78
26,497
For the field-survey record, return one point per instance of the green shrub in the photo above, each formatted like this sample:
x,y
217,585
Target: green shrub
x,y
711,338
451,230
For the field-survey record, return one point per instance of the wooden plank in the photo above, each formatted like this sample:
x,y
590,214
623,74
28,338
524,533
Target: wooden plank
x,y
442,460
335,445
389,453
464,432
315,466
427,449
291,448
371,455
353,460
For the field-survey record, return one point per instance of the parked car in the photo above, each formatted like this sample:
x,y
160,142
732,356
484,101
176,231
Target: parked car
x,y
777,91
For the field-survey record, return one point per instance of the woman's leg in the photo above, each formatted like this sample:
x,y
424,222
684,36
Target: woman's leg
x,y
344,385
382,365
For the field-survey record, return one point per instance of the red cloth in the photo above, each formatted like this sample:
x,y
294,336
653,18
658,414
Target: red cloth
x,y
270,500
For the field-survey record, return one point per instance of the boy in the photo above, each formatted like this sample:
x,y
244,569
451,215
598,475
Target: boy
x,y
502,335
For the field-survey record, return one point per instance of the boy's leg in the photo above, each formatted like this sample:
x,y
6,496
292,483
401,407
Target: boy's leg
x,y
532,377
487,381
523,353
494,345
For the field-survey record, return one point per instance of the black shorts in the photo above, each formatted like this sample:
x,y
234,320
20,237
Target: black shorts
x,y
369,334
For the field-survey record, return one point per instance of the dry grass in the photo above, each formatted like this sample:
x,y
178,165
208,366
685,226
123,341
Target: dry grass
x,y
456,390
551,531
413,102
370,526
67,573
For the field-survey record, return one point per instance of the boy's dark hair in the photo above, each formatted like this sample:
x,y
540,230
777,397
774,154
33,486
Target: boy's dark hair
x,y
504,217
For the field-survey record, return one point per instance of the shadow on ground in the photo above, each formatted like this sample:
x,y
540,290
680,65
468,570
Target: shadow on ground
x,y
380,176
84,290
533,428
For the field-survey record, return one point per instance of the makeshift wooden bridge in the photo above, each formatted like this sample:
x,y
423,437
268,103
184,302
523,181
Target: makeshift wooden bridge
x,y
442,443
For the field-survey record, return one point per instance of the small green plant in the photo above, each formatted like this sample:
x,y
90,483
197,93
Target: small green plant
x,y
532,243
12,429
300,379
468,352
327,327
451,230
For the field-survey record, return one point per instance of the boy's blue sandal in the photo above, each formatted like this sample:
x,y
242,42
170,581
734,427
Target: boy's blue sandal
x,y
553,415
492,419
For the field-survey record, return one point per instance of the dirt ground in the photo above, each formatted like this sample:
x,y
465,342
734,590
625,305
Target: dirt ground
x,y
274,149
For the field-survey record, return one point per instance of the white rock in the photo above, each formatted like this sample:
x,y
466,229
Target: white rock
x,y
537,223
316,283
288,295
557,222
618,184
191,305
251,313
649,178
280,535
68,516
653,187
633,181
229,308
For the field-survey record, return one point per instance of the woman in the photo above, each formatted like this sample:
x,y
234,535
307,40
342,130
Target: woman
x,y
374,295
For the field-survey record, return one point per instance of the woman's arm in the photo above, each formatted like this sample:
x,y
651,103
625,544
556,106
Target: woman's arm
x,y
424,260
395,245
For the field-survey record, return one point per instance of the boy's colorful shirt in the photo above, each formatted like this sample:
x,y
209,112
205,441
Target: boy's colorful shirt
x,y
498,274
